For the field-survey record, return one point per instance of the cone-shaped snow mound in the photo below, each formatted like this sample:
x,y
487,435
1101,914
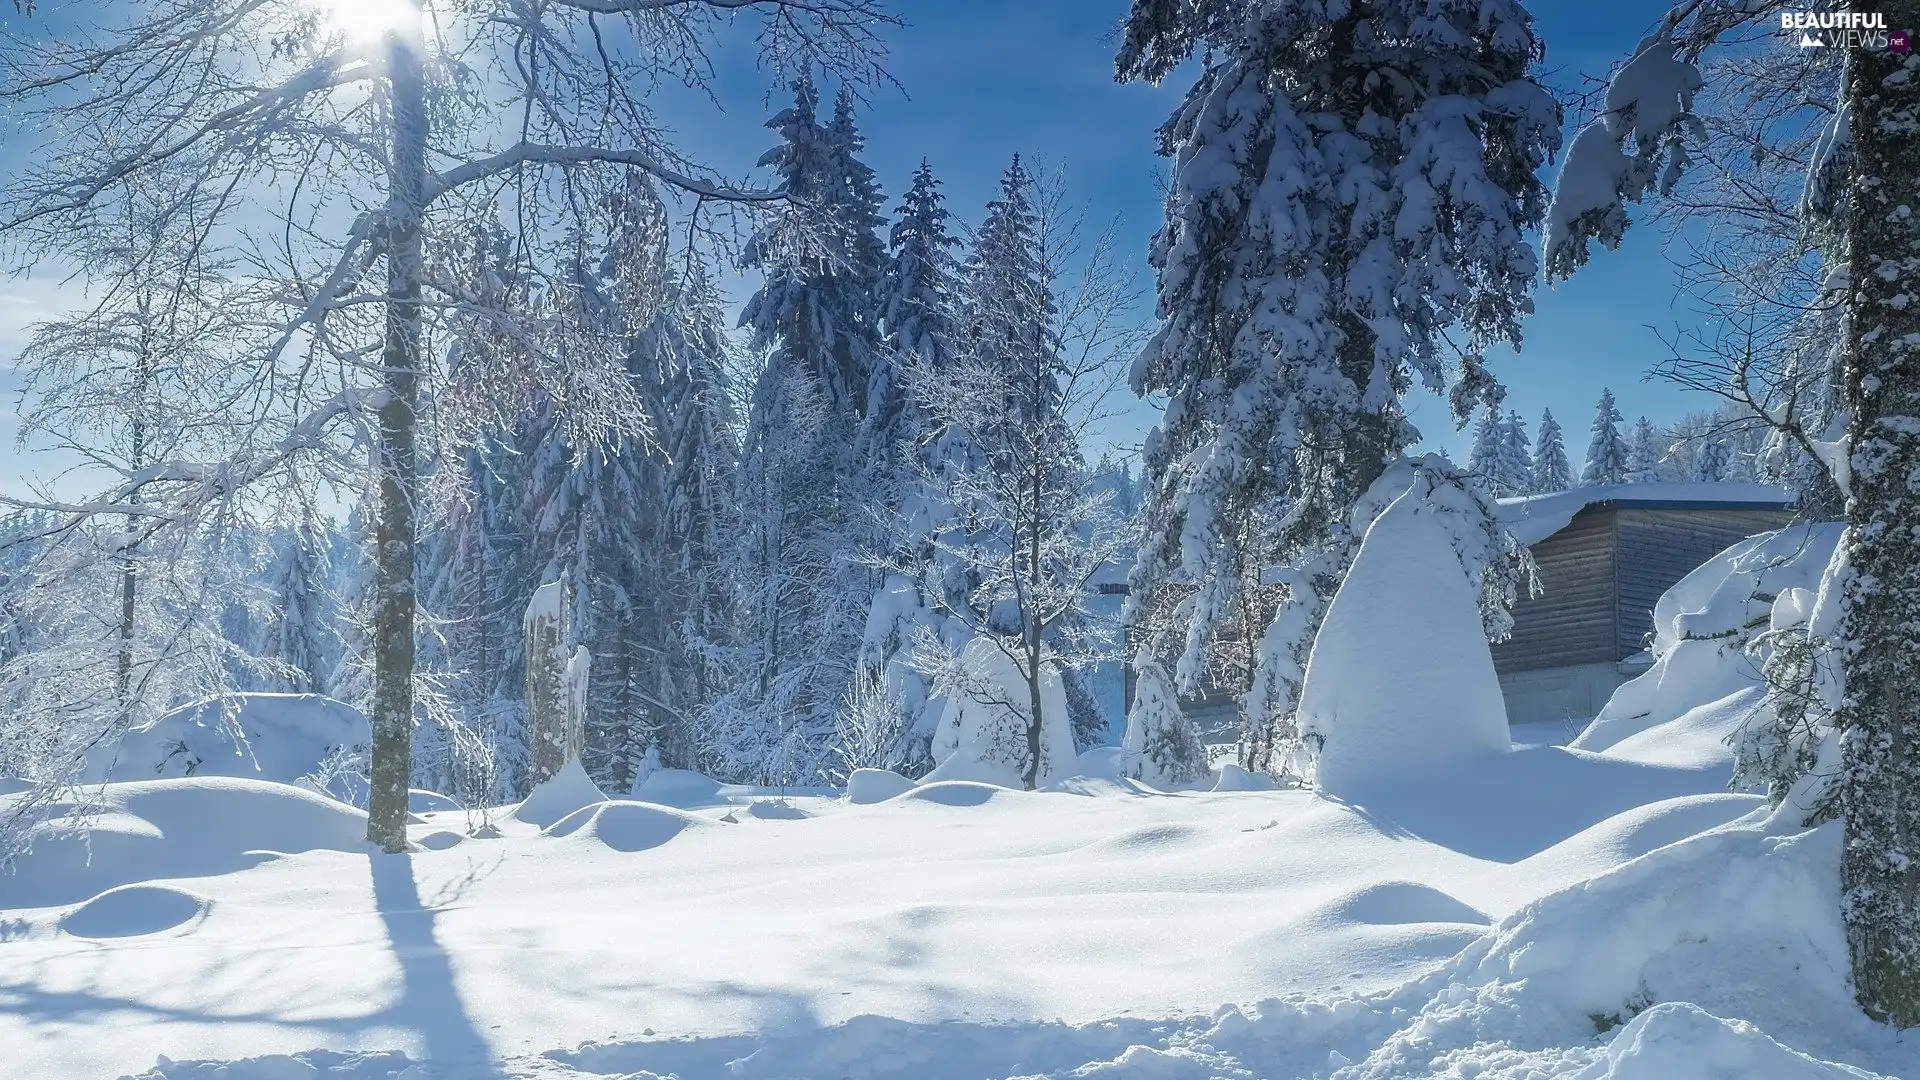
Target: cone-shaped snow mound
x,y
1400,679
559,795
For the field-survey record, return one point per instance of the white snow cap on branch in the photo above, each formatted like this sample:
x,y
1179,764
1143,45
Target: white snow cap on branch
x,y
1614,159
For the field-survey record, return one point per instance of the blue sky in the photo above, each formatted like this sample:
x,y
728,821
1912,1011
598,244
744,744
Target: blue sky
x,y
980,80
983,79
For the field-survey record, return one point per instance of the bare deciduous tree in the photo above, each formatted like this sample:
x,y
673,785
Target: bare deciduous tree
x,y
328,160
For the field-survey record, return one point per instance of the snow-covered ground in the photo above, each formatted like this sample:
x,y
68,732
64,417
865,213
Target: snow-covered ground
x,y
1591,914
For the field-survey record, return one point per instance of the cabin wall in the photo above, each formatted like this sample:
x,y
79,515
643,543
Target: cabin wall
x,y
1658,546
1572,621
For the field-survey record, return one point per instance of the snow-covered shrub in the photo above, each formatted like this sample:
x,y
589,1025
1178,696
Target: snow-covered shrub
x,y
1161,745
1751,627
1410,602
1494,563
985,731
873,723
286,738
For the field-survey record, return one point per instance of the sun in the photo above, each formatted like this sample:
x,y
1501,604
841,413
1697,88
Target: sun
x,y
371,20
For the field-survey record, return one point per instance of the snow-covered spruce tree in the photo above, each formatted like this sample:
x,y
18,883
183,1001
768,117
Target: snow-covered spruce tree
x,y
299,639
1646,454
900,446
700,439
1710,462
1026,528
380,133
813,308
1551,470
1866,161
1161,745
1513,465
1349,180
1607,451
1487,436
802,519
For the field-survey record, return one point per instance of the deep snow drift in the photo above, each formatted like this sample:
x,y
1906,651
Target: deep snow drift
x,y
1551,912
282,737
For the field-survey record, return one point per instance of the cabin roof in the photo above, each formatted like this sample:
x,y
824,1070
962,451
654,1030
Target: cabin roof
x,y
1533,518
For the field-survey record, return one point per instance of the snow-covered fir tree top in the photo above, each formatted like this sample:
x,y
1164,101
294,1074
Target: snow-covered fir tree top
x,y
1533,518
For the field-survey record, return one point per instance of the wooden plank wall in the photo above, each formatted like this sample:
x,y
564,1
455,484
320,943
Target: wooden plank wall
x,y
1659,546
1573,620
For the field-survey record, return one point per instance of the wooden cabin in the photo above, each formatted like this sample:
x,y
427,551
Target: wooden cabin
x,y
1606,555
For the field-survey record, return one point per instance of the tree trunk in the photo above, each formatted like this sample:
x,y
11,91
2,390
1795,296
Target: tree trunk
x,y
129,547
1880,715
547,686
395,459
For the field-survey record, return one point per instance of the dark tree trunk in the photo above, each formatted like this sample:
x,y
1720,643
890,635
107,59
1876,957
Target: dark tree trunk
x,y
1880,716
395,458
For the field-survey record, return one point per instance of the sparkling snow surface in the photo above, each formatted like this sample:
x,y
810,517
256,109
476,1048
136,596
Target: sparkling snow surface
x,y
1551,912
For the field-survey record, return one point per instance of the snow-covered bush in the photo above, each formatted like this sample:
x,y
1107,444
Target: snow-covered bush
x,y
873,723
1161,745
1410,604
985,732
286,738
1750,628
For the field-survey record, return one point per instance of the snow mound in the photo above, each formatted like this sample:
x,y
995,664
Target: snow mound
x,y
1146,839
421,801
133,911
1697,738
440,840
1405,603
1700,628
1234,778
683,788
1717,920
120,834
14,785
866,786
558,795
953,793
1681,1041
280,737
1393,903
625,827
1101,787
776,810
1629,835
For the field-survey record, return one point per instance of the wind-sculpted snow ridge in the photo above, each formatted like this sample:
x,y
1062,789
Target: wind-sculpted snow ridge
x,y
1716,957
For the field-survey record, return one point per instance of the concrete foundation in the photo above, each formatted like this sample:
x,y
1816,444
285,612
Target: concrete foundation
x,y
1577,692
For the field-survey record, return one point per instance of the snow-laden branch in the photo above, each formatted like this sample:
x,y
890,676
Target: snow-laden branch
x,y
197,484
528,153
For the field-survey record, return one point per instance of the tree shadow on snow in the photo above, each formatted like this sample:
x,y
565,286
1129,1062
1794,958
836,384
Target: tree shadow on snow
x,y
429,1000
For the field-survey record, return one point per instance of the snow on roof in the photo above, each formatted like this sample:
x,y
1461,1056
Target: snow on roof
x,y
1533,518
